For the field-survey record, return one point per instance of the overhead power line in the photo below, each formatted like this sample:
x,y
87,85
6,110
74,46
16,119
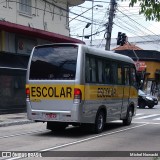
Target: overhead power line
x,y
138,23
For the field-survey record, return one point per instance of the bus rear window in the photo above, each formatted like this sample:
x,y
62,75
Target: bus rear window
x,y
54,62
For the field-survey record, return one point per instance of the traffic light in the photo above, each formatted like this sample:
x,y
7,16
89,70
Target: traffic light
x,y
121,39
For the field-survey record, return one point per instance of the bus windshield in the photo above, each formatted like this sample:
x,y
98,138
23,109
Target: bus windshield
x,y
55,62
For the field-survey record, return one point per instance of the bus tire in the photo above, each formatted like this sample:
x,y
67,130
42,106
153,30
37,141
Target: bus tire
x,y
99,122
129,116
55,126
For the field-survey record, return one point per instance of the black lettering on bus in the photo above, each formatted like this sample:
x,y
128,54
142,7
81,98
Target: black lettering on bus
x,y
55,93
50,92
114,92
107,92
104,92
33,91
62,92
44,95
38,92
68,92
100,92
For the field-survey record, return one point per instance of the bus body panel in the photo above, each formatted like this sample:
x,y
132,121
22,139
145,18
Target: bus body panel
x,y
53,100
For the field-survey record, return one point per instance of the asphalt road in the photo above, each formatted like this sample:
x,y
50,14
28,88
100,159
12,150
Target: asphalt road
x,y
142,135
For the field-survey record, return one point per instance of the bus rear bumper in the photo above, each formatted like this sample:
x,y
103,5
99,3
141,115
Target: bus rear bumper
x,y
54,115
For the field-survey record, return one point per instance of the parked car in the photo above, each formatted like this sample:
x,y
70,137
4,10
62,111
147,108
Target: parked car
x,y
146,100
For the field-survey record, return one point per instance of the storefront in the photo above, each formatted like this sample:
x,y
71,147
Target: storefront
x,y
16,43
12,83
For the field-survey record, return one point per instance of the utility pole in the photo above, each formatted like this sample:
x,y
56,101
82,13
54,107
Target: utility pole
x,y
92,23
110,23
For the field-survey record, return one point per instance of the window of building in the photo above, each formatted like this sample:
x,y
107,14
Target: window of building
x,y
25,6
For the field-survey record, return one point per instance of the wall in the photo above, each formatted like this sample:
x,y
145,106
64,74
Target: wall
x,y
43,16
151,68
18,44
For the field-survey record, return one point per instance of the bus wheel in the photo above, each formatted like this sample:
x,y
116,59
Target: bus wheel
x,y
99,122
56,126
129,116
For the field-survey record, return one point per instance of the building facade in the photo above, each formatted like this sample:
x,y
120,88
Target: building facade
x,y
148,68
24,24
48,15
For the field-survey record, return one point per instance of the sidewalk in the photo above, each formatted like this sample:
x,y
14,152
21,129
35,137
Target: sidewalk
x,y
13,119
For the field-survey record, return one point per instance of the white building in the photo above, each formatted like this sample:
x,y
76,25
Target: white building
x,y
48,15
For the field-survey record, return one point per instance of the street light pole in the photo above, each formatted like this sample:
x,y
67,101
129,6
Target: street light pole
x,y
87,25
92,23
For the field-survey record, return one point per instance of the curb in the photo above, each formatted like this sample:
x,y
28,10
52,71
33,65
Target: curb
x,y
6,124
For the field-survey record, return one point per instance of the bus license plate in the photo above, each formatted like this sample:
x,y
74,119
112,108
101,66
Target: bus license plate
x,y
50,116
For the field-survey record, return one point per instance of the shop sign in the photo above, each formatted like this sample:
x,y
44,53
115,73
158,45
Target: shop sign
x,y
140,66
25,45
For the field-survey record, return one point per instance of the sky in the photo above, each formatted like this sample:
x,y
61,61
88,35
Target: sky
x,y
126,20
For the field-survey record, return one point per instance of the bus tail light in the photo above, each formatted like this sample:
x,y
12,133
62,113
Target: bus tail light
x,y
27,92
77,95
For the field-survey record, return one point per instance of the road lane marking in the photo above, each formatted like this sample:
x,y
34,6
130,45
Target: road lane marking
x,y
90,138
147,122
82,140
148,116
139,114
156,119
20,134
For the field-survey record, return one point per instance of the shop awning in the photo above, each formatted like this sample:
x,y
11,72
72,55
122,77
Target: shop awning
x,y
32,32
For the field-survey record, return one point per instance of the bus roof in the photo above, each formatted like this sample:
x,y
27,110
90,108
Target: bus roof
x,y
108,54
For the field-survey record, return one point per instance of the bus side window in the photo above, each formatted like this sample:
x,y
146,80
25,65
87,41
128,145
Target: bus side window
x,y
93,69
107,73
126,76
87,70
114,73
100,73
133,77
120,81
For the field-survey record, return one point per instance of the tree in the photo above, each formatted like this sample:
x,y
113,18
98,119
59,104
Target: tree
x,y
150,8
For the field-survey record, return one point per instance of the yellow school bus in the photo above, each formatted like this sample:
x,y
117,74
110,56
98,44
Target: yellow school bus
x,y
74,84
